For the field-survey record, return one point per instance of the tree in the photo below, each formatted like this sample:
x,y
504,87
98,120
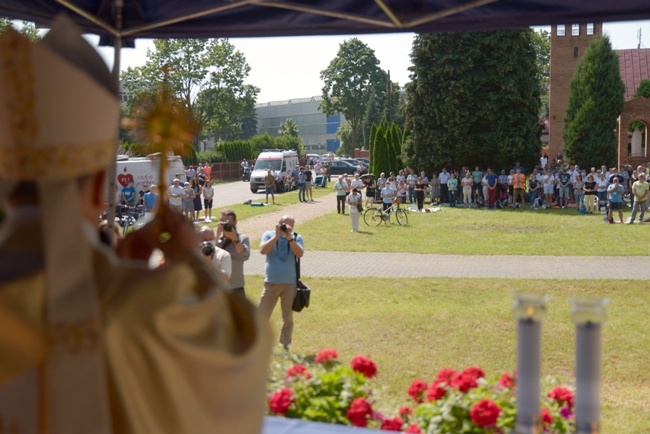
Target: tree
x,y
207,74
542,44
596,99
473,99
643,89
347,81
344,134
27,29
289,137
371,117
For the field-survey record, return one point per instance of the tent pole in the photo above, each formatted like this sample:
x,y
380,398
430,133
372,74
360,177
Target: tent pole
x,y
112,168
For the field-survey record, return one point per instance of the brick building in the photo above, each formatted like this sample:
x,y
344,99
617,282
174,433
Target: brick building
x,y
568,45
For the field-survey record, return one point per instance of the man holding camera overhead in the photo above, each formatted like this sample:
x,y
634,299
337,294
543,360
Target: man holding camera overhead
x,y
238,245
281,247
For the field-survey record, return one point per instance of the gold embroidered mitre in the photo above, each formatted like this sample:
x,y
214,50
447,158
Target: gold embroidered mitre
x,y
59,109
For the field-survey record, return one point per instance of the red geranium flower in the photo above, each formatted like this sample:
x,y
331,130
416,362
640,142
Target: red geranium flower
x,y
413,429
417,389
547,417
562,395
464,381
280,401
508,380
485,413
364,365
393,424
436,391
359,412
446,375
326,355
474,372
405,411
297,370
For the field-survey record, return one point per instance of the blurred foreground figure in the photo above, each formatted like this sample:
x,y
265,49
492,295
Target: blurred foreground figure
x,y
91,342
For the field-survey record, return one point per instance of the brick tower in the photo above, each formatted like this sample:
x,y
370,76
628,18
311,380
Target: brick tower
x,y
568,44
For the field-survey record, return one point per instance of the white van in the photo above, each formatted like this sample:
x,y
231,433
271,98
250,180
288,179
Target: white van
x,y
281,162
143,171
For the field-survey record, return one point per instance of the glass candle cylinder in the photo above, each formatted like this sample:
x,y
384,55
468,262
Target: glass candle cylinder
x,y
588,315
530,310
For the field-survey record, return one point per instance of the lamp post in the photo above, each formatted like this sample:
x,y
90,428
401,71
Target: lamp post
x,y
530,310
588,315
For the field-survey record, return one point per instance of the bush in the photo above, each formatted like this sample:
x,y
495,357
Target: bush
x,y
210,157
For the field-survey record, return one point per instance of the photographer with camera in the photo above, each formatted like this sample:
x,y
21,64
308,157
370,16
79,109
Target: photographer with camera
x,y
238,245
212,254
281,248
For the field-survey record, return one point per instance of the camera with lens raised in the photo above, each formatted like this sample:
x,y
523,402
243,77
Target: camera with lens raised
x,y
207,248
283,227
227,225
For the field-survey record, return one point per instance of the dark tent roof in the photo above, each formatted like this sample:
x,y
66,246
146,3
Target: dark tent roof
x,y
242,18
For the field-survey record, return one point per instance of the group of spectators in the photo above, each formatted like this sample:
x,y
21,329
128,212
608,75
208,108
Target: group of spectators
x,y
551,186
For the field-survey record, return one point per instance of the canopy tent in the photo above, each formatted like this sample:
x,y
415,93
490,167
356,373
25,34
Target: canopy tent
x,y
242,18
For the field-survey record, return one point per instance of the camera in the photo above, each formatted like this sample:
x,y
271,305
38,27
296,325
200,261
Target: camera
x,y
283,227
207,249
227,225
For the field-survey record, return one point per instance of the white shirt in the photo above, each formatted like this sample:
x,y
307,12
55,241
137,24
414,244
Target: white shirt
x,y
357,183
178,191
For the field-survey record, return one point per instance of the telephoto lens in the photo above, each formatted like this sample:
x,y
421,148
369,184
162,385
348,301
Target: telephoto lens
x,y
207,249
227,225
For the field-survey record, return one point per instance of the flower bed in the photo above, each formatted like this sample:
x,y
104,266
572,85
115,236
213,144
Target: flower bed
x,y
321,388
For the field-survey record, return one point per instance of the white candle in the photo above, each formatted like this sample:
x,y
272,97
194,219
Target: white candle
x,y
530,310
588,315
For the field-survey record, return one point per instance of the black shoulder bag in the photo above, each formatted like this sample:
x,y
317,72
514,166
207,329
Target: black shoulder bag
x,y
303,293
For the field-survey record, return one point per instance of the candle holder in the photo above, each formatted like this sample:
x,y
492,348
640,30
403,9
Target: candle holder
x,y
588,314
530,310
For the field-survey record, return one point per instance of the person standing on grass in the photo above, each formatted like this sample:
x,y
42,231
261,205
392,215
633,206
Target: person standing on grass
x,y
411,179
590,193
443,180
388,193
150,201
435,189
420,190
269,186
533,188
208,197
518,186
467,184
477,176
371,191
353,199
563,188
188,201
640,192
281,249
579,192
302,185
615,196
452,185
309,181
340,187
239,247
492,185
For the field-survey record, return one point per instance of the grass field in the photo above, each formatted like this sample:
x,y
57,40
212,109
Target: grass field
x,y
414,327
463,231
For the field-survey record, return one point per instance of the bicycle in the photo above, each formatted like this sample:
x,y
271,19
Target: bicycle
x,y
132,215
374,216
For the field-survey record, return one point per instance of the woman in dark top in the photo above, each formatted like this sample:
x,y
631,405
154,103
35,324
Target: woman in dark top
x,y
194,184
590,194
420,188
533,189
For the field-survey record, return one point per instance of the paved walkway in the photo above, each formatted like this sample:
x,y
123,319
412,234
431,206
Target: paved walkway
x,y
338,264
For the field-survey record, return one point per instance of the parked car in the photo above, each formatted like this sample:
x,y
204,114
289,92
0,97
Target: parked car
x,y
340,167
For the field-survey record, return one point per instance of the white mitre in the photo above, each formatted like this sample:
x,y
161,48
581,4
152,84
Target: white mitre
x,y
59,116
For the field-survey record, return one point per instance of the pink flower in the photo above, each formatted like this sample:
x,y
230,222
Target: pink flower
x,y
280,401
326,355
393,424
416,390
566,412
464,381
364,365
562,395
474,371
436,391
485,413
547,417
405,411
508,380
297,370
413,429
359,412
446,375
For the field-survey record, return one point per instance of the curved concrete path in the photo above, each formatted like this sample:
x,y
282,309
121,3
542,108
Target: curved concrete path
x,y
334,264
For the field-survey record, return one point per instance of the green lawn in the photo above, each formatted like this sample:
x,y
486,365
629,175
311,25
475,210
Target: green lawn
x,y
484,232
414,327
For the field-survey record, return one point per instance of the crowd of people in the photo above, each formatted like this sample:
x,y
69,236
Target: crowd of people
x,y
548,186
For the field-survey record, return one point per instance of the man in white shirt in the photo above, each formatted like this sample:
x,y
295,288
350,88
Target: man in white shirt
x,y
443,179
216,256
175,195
